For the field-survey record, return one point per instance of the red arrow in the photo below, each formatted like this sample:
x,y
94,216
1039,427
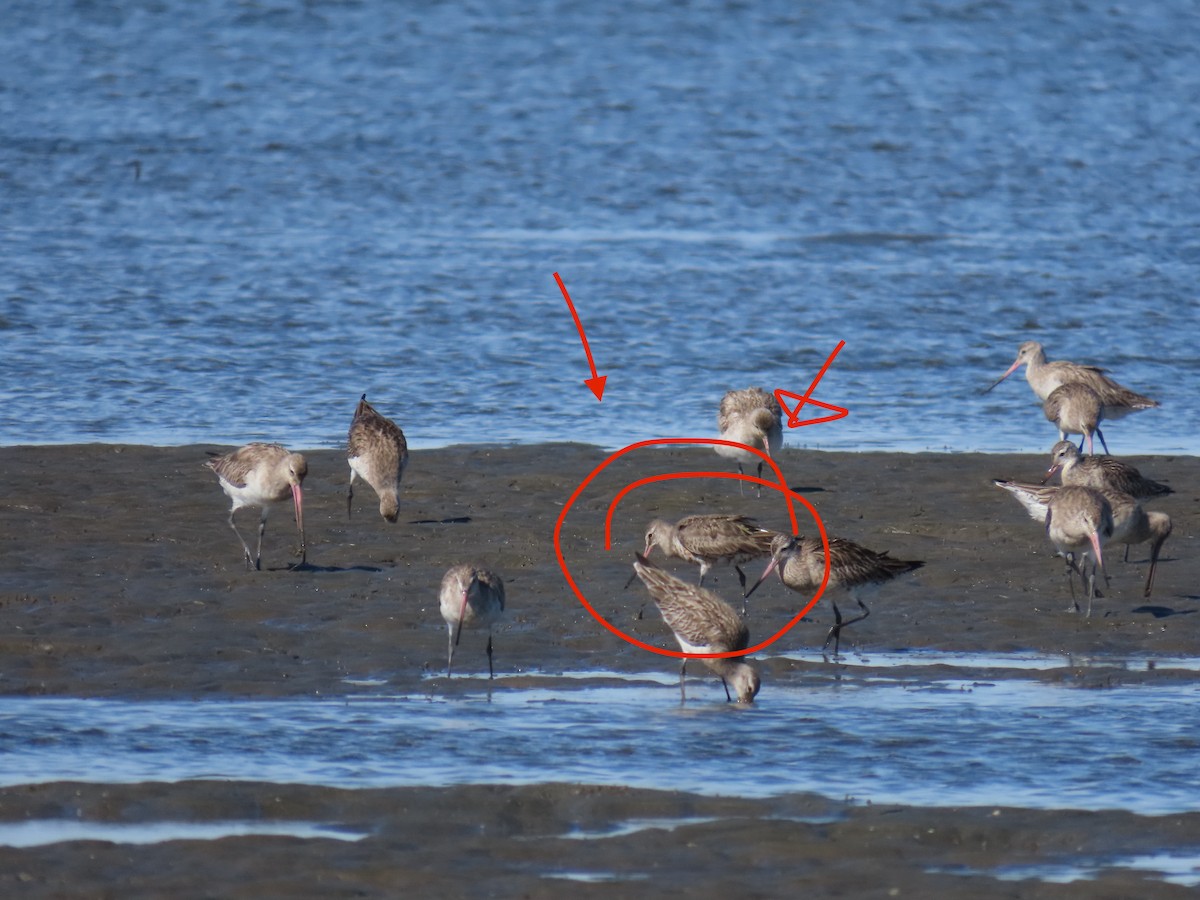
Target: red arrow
x,y
596,382
793,414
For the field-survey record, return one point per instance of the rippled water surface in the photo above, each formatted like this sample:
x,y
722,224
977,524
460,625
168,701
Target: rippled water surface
x,y
225,220
957,741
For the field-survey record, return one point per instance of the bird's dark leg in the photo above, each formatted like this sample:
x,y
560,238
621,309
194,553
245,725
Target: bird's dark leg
x,y
491,671
760,465
350,494
449,649
1103,443
1071,567
742,582
835,633
741,484
262,529
728,699
682,670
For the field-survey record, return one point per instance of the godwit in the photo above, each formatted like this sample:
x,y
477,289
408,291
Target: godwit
x,y
751,417
259,475
702,623
1101,472
378,454
470,595
1130,523
800,562
710,539
1078,520
1044,377
1134,525
1076,409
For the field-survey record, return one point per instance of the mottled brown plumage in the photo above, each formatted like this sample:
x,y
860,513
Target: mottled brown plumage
x,y
1075,409
1045,376
260,475
708,540
378,454
1101,472
752,417
1078,521
1129,523
702,623
800,562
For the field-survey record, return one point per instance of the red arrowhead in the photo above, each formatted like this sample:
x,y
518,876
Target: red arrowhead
x,y
596,382
793,413
597,386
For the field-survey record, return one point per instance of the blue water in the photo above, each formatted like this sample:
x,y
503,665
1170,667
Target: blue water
x,y
952,741
222,220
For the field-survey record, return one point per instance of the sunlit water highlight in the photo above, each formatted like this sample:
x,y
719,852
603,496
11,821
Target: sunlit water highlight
x,y
36,832
223,222
948,742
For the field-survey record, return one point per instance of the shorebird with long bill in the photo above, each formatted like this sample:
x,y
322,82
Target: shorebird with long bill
x,y
261,475
1101,472
702,623
1078,521
711,539
1076,409
378,454
471,595
754,418
1130,523
1045,376
800,562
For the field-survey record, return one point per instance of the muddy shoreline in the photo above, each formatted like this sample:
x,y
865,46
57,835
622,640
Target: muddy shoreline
x,y
122,579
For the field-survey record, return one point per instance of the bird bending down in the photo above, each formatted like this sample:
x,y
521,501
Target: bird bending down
x,y
378,454
470,595
1076,409
754,418
710,539
260,475
800,562
702,623
1130,523
1101,472
1045,376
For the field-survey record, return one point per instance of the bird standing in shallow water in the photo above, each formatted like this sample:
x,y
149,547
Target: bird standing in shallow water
x,y
800,562
260,475
470,595
754,418
702,623
378,454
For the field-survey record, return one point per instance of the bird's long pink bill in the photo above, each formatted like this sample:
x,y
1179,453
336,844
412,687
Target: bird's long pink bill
x,y
298,503
1094,537
1011,369
771,566
462,614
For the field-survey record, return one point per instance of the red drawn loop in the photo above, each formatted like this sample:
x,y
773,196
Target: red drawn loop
x,y
780,485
